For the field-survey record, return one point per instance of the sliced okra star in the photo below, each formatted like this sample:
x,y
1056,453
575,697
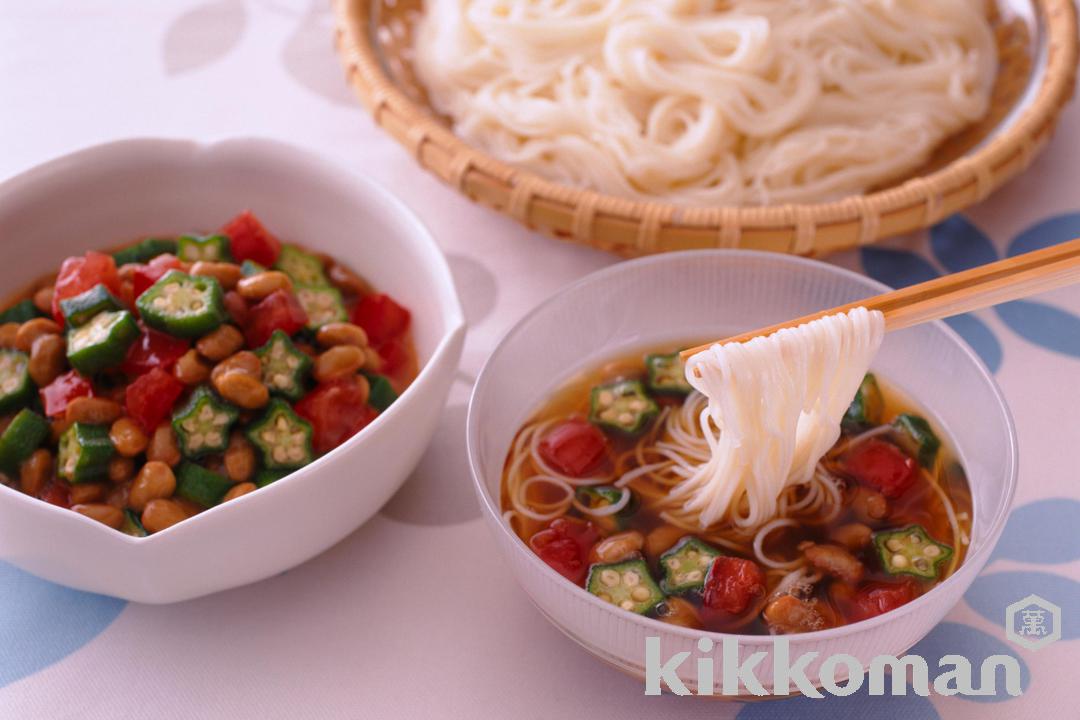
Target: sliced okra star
x,y
20,312
144,251
132,525
281,437
200,485
322,304
302,268
284,366
81,308
667,374
21,438
599,496
102,342
865,410
625,584
211,248
202,425
686,564
183,305
84,453
622,406
911,551
16,387
917,438
382,393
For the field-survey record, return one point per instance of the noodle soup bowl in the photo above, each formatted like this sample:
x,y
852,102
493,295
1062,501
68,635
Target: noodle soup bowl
x,y
713,294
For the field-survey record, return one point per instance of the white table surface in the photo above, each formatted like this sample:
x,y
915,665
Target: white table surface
x,y
450,634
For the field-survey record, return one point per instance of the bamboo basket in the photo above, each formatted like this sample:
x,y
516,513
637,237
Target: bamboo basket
x,y
1036,79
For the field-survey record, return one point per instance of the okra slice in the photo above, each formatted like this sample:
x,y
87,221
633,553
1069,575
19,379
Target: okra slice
x,y
622,406
667,374
382,393
202,425
302,267
250,267
183,305
84,453
80,309
281,437
16,387
625,584
20,312
102,342
212,248
914,434
599,496
686,564
144,251
265,477
199,485
322,304
21,438
865,410
911,551
284,367
132,525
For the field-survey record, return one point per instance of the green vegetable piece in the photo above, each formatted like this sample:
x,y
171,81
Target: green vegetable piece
x,y
303,268
865,410
911,551
626,584
144,251
16,387
250,267
20,312
212,248
84,453
686,564
265,477
199,485
132,525
102,342
382,394
622,406
600,496
284,367
21,438
281,437
183,305
667,374
80,309
917,438
202,424
323,305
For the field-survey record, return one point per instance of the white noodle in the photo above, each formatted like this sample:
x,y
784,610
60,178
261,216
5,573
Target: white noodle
x,y
605,510
759,540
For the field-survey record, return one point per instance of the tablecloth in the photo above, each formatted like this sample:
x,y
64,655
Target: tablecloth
x,y
348,636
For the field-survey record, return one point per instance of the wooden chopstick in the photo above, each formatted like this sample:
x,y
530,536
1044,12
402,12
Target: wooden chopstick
x,y
1009,279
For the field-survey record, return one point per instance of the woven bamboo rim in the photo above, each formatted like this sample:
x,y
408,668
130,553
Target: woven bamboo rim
x,y
958,177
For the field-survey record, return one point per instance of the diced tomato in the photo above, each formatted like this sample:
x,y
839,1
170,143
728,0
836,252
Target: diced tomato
x,y
79,274
878,598
57,493
236,306
574,447
381,317
56,395
280,310
394,356
882,466
732,584
153,350
337,410
146,275
249,240
150,398
565,545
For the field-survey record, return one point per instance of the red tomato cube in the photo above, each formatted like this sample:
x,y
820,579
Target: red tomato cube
x,y
148,274
574,447
79,274
394,356
56,395
150,398
732,584
878,598
565,546
249,240
153,350
337,410
280,310
882,466
381,317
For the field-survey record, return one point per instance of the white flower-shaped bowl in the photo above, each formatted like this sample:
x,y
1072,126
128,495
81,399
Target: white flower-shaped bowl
x,y
702,295
106,195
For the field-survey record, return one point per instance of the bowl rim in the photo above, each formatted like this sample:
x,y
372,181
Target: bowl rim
x,y
273,152
974,559
635,227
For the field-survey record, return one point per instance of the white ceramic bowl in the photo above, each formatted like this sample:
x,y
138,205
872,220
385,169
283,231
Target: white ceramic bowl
x,y
120,191
713,294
